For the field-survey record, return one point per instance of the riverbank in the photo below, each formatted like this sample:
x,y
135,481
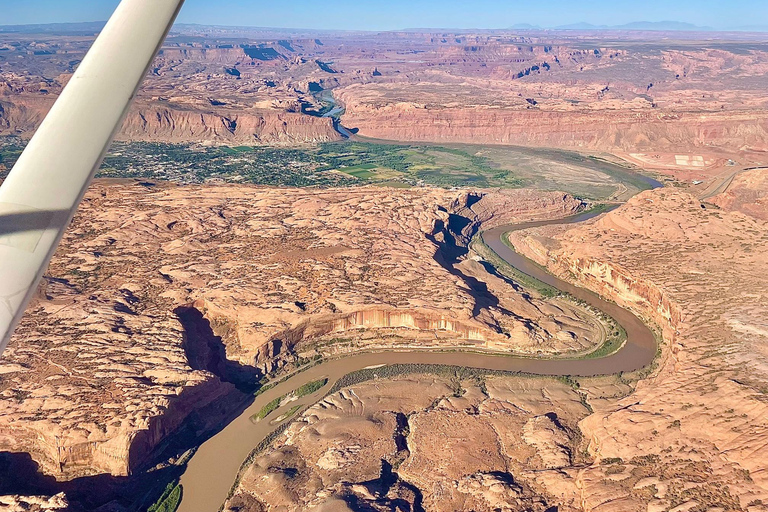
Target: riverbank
x,y
215,466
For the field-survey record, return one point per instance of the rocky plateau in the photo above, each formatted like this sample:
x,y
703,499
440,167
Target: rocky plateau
x,y
695,271
165,302
687,437
550,89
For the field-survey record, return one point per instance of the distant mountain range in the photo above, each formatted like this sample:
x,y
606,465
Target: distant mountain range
x,y
637,25
93,27
753,28
664,26
88,27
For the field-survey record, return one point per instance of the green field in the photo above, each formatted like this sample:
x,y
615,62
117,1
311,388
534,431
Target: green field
x,y
10,149
362,171
415,165
354,163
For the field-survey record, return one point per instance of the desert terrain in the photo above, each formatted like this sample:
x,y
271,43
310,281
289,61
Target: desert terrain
x,y
604,445
651,99
182,297
695,269
164,300
682,105
452,444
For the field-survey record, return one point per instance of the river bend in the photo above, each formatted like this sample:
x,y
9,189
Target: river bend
x,y
212,470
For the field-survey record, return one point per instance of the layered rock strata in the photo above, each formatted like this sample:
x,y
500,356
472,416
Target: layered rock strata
x,y
695,271
163,299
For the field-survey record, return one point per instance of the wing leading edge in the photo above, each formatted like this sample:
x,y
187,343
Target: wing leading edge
x,y
45,187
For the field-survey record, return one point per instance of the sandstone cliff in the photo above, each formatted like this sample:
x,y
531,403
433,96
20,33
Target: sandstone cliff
x,y
33,503
607,130
20,115
696,272
473,88
95,386
689,437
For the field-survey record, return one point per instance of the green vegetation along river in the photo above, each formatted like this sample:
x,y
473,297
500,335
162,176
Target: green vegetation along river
x,y
365,162
212,470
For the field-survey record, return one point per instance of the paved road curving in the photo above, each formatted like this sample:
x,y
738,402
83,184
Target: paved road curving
x,y
213,469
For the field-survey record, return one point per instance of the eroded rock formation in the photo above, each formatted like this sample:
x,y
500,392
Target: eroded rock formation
x,y
625,130
689,437
22,114
696,271
419,443
747,193
546,89
164,300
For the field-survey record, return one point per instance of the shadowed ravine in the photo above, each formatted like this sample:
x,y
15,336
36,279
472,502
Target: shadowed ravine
x,y
214,467
206,351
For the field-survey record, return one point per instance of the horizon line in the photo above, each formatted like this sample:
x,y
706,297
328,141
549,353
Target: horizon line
x,y
525,27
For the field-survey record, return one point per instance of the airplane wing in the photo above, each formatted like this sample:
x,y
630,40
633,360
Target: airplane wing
x,y
42,192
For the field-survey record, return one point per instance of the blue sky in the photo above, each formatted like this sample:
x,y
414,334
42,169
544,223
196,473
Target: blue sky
x,y
395,14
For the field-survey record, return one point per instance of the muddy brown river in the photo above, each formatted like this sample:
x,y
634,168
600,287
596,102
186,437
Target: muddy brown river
x,y
212,470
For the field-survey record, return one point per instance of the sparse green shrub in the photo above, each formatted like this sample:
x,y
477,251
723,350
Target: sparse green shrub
x,y
268,409
310,387
170,499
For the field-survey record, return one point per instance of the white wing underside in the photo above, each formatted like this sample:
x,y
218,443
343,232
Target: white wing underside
x,y
45,187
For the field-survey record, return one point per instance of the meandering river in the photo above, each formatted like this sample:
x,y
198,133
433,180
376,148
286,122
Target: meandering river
x,y
212,470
